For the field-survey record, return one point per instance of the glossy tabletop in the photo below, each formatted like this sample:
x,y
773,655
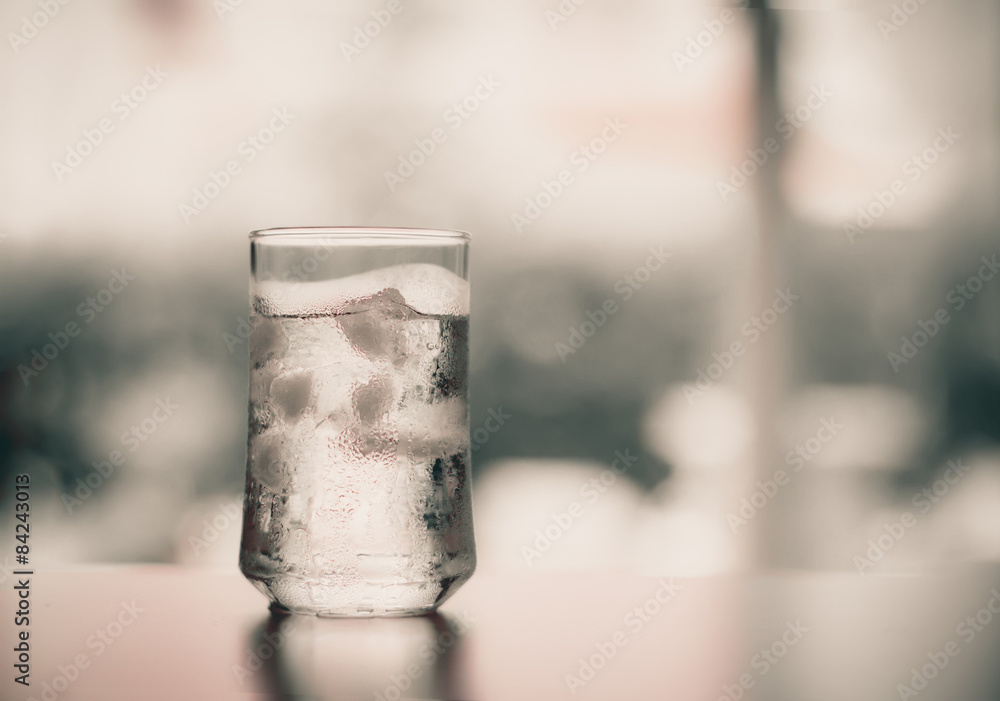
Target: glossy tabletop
x,y
165,632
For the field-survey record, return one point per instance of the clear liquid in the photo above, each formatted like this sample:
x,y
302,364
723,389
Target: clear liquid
x,y
357,497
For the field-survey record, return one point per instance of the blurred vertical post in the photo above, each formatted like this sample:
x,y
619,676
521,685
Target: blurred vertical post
x,y
765,380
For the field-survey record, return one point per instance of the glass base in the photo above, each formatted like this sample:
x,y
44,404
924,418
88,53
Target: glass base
x,y
330,599
275,607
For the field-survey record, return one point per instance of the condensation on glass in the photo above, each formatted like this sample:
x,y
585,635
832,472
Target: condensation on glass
x,y
357,491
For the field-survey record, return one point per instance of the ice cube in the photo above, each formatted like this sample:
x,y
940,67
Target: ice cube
x,y
433,428
267,340
374,325
377,444
261,410
438,365
267,460
374,399
388,301
292,394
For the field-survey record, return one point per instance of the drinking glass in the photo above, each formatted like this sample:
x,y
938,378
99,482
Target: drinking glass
x,y
357,495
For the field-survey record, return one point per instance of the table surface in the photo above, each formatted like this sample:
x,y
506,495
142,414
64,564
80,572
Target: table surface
x,y
166,632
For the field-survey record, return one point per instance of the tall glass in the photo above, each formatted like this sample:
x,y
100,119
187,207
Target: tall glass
x,y
357,493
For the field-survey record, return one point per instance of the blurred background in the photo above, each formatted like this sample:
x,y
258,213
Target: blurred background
x,y
744,256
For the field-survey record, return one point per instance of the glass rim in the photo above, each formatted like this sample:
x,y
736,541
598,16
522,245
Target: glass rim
x,y
362,232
